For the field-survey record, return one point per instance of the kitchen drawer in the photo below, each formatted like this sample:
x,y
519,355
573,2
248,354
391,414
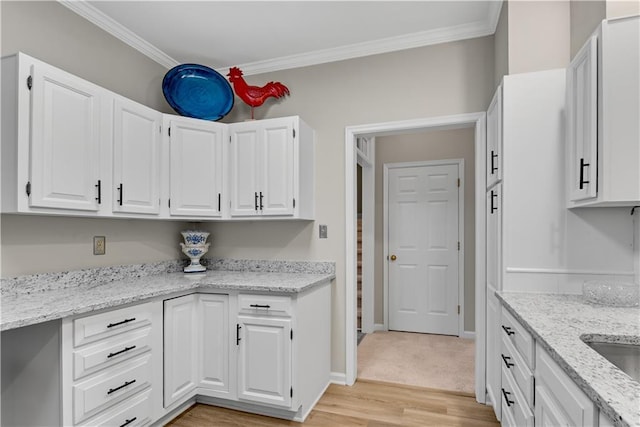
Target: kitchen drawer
x,y
105,353
514,405
519,337
134,412
516,366
107,324
264,305
110,386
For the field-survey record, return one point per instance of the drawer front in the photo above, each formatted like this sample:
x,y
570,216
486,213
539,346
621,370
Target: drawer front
x,y
110,387
515,364
99,326
134,412
519,337
105,353
514,405
264,305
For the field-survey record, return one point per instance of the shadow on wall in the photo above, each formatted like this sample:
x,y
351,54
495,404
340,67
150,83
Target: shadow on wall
x,y
260,239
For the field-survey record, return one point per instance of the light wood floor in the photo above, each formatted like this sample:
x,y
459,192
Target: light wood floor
x,y
367,403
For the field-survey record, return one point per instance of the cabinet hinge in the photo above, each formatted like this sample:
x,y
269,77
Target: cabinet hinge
x,y
169,202
169,130
294,202
29,82
458,182
291,334
291,392
28,188
294,132
458,309
458,245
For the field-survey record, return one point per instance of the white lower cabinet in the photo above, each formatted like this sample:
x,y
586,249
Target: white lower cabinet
x,y
534,389
264,360
248,351
180,348
559,401
113,377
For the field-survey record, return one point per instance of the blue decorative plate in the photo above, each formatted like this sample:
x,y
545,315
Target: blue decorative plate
x,y
197,91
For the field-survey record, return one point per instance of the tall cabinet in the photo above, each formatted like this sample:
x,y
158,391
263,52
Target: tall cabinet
x,y
525,134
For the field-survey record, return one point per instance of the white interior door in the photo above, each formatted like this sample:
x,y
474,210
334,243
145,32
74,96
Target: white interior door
x,y
423,248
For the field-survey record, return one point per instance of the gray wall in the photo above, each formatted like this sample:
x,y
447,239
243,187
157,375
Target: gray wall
x,y
35,244
434,145
585,17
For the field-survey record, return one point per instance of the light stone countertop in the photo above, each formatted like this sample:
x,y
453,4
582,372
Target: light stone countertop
x,y
23,308
558,322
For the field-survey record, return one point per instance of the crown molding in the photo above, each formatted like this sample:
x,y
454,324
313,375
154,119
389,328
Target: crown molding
x,y
358,50
95,16
391,44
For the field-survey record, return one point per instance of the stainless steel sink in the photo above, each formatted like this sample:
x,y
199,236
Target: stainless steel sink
x,y
624,356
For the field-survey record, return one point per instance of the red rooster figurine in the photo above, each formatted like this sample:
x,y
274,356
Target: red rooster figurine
x,y
255,96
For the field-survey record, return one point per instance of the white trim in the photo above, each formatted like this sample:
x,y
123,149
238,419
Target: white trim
x,y
385,231
379,327
476,120
374,47
567,271
368,234
337,378
469,335
357,50
98,18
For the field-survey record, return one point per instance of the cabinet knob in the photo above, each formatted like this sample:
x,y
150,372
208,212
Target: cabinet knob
x,y
393,257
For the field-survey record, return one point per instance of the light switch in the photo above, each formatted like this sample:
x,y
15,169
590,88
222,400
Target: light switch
x,y
323,231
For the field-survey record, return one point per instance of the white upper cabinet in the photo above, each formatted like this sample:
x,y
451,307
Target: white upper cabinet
x,y
494,139
72,148
582,121
603,106
271,168
136,162
196,166
52,131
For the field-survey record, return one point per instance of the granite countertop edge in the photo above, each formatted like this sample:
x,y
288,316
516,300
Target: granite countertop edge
x,y
140,289
620,415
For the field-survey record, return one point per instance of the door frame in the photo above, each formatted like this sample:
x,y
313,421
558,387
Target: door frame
x,y
478,122
385,231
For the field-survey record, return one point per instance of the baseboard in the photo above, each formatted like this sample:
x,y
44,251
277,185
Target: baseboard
x,y
338,378
471,335
304,415
379,327
173,413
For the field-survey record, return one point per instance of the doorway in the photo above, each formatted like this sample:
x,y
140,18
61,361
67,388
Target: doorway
x,y
424,274
473,120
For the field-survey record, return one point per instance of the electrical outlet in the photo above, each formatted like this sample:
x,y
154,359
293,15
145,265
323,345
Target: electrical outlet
x,y
323,231
99,245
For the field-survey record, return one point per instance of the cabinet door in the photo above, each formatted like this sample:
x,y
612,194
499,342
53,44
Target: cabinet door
x,y
558,400
65,140
136,163
493,373
213,368
264,360
494,237
494,139
244,162
196,167
277,161
582,122
180,348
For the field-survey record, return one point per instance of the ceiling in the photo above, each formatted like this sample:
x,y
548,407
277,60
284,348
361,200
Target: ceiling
x,y
263,36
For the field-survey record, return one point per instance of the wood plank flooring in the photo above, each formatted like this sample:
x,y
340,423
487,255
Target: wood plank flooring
x,y
367,403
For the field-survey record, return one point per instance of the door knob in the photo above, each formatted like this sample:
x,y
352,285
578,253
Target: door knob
x,y
393,257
